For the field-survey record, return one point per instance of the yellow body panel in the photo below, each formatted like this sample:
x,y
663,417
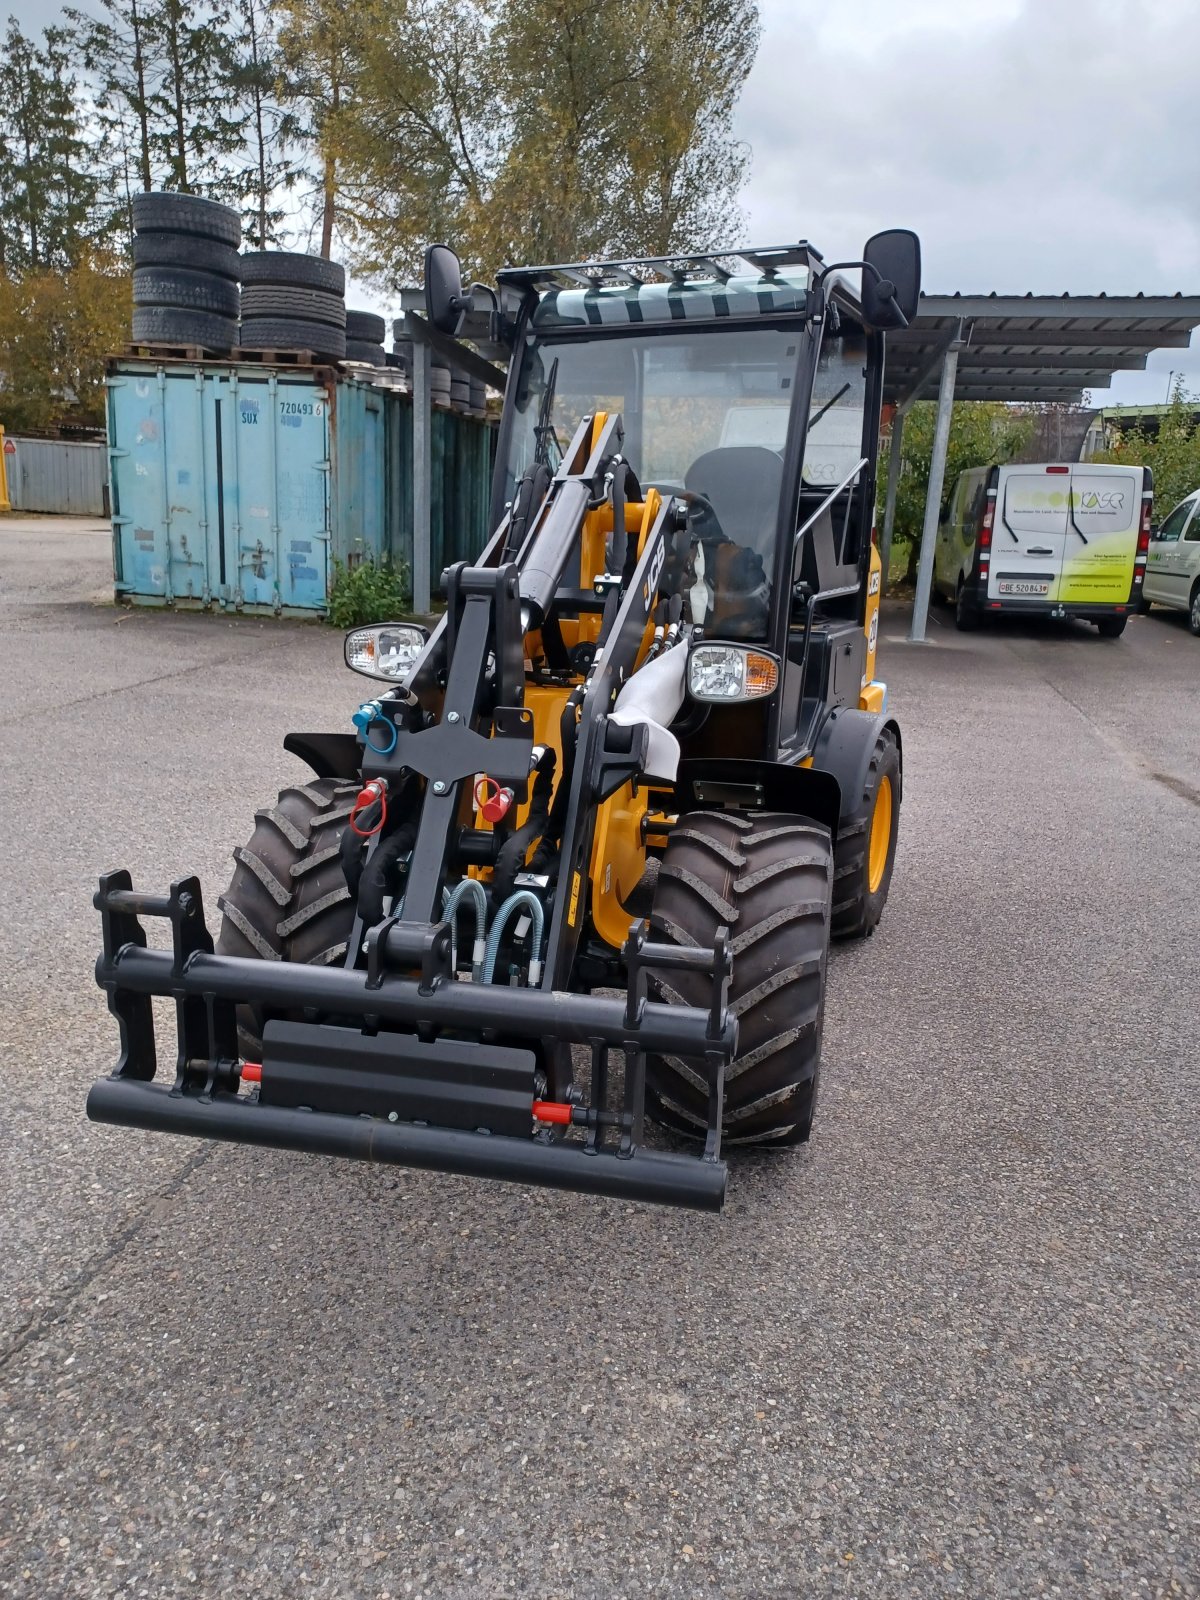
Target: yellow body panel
x,y
618,861
871,699
871,695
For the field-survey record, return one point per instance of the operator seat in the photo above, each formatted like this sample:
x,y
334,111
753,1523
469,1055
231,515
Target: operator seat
x,y
742,485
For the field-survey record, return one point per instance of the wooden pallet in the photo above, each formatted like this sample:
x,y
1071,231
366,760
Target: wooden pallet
x,y
175,352
282,358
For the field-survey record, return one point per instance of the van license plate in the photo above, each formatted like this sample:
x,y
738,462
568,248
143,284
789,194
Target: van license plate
x,y
1023,586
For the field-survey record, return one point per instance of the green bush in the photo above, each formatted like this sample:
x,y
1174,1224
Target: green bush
x,y
368,592
1173,453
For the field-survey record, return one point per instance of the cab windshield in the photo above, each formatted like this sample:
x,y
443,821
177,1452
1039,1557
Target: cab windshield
x,y
706,418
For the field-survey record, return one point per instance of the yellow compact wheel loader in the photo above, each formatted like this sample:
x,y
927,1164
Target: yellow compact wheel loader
x,y
618,800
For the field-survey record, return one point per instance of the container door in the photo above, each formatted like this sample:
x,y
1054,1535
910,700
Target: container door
x,y
270,472
1030,535
157,454
301,467
1102,533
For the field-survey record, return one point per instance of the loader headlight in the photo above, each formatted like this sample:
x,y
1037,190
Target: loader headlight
x,y
386,651
730,672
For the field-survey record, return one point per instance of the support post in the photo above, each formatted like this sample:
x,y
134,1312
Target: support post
x,y
422,473
933,495
889,506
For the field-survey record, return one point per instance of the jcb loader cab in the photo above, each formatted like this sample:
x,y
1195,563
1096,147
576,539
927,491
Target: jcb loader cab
x,y
618,800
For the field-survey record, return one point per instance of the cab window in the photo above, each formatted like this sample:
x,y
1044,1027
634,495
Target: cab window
x,y
706,414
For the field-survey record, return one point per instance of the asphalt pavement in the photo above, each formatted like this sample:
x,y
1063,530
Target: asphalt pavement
x,y
950,1348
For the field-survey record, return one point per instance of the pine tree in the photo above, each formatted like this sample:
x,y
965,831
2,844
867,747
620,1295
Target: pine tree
x,y
270,164
197,126
165,76
48,183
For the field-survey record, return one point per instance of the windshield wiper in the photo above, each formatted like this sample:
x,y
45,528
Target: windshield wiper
x,y
812,421
545,432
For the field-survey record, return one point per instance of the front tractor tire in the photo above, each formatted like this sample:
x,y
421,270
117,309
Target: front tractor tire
x,y
866,846
768,878
288,899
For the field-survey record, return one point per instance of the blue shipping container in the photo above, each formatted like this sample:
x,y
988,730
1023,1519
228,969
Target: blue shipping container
x,y
226,488
238,486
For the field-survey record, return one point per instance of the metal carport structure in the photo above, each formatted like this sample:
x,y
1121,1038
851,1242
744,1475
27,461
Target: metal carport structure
x,y
1026,348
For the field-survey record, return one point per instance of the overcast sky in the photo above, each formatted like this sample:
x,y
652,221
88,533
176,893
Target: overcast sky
x,y
1045,145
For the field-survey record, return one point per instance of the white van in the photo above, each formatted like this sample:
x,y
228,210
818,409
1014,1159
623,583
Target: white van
x,y
1061,540
1173,565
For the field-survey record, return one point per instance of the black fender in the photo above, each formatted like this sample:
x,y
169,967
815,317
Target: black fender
x,y
804,791
844,748
330,755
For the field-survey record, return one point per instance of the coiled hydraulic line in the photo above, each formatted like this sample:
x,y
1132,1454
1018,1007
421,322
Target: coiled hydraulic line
x,y
524,899
453,899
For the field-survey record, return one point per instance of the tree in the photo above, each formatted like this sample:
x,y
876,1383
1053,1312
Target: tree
x,y
166,77
272,128
116,52
48,184
56,330
981,435
1172,452
537,129
198,122
313,45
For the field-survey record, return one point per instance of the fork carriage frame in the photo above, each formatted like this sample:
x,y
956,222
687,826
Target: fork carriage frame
x,y
475,1091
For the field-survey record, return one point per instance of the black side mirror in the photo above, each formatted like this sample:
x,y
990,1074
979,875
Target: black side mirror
x,y
445,303
891,280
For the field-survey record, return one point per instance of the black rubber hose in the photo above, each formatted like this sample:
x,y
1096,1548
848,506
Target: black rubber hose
x,y
379,876
353,849
510,859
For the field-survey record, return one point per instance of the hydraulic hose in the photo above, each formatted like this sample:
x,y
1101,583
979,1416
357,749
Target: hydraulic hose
x,y
469,889
524,899
510,858
377,880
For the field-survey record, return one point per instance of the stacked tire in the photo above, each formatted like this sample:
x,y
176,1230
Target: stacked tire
x,y
402,349
185,271
365,333
293,302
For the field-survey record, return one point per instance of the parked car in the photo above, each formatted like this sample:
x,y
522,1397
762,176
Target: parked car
x,y
1063,540
1173,562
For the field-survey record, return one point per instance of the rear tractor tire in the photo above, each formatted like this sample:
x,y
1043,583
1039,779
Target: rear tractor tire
x,y
288,899
768,878
866,846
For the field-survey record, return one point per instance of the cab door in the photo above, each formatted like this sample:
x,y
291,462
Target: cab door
x,y
1029,538
1169,558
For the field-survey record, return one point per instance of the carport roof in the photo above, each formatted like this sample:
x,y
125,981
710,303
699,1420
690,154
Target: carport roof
x,y
1033,347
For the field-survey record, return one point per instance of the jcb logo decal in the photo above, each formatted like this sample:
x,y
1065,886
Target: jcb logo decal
x,y
873,585
654,574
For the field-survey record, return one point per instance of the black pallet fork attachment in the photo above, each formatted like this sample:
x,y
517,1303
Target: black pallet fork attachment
x,y
456,1093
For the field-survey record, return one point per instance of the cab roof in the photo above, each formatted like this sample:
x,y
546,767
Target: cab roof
x,y
767,281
